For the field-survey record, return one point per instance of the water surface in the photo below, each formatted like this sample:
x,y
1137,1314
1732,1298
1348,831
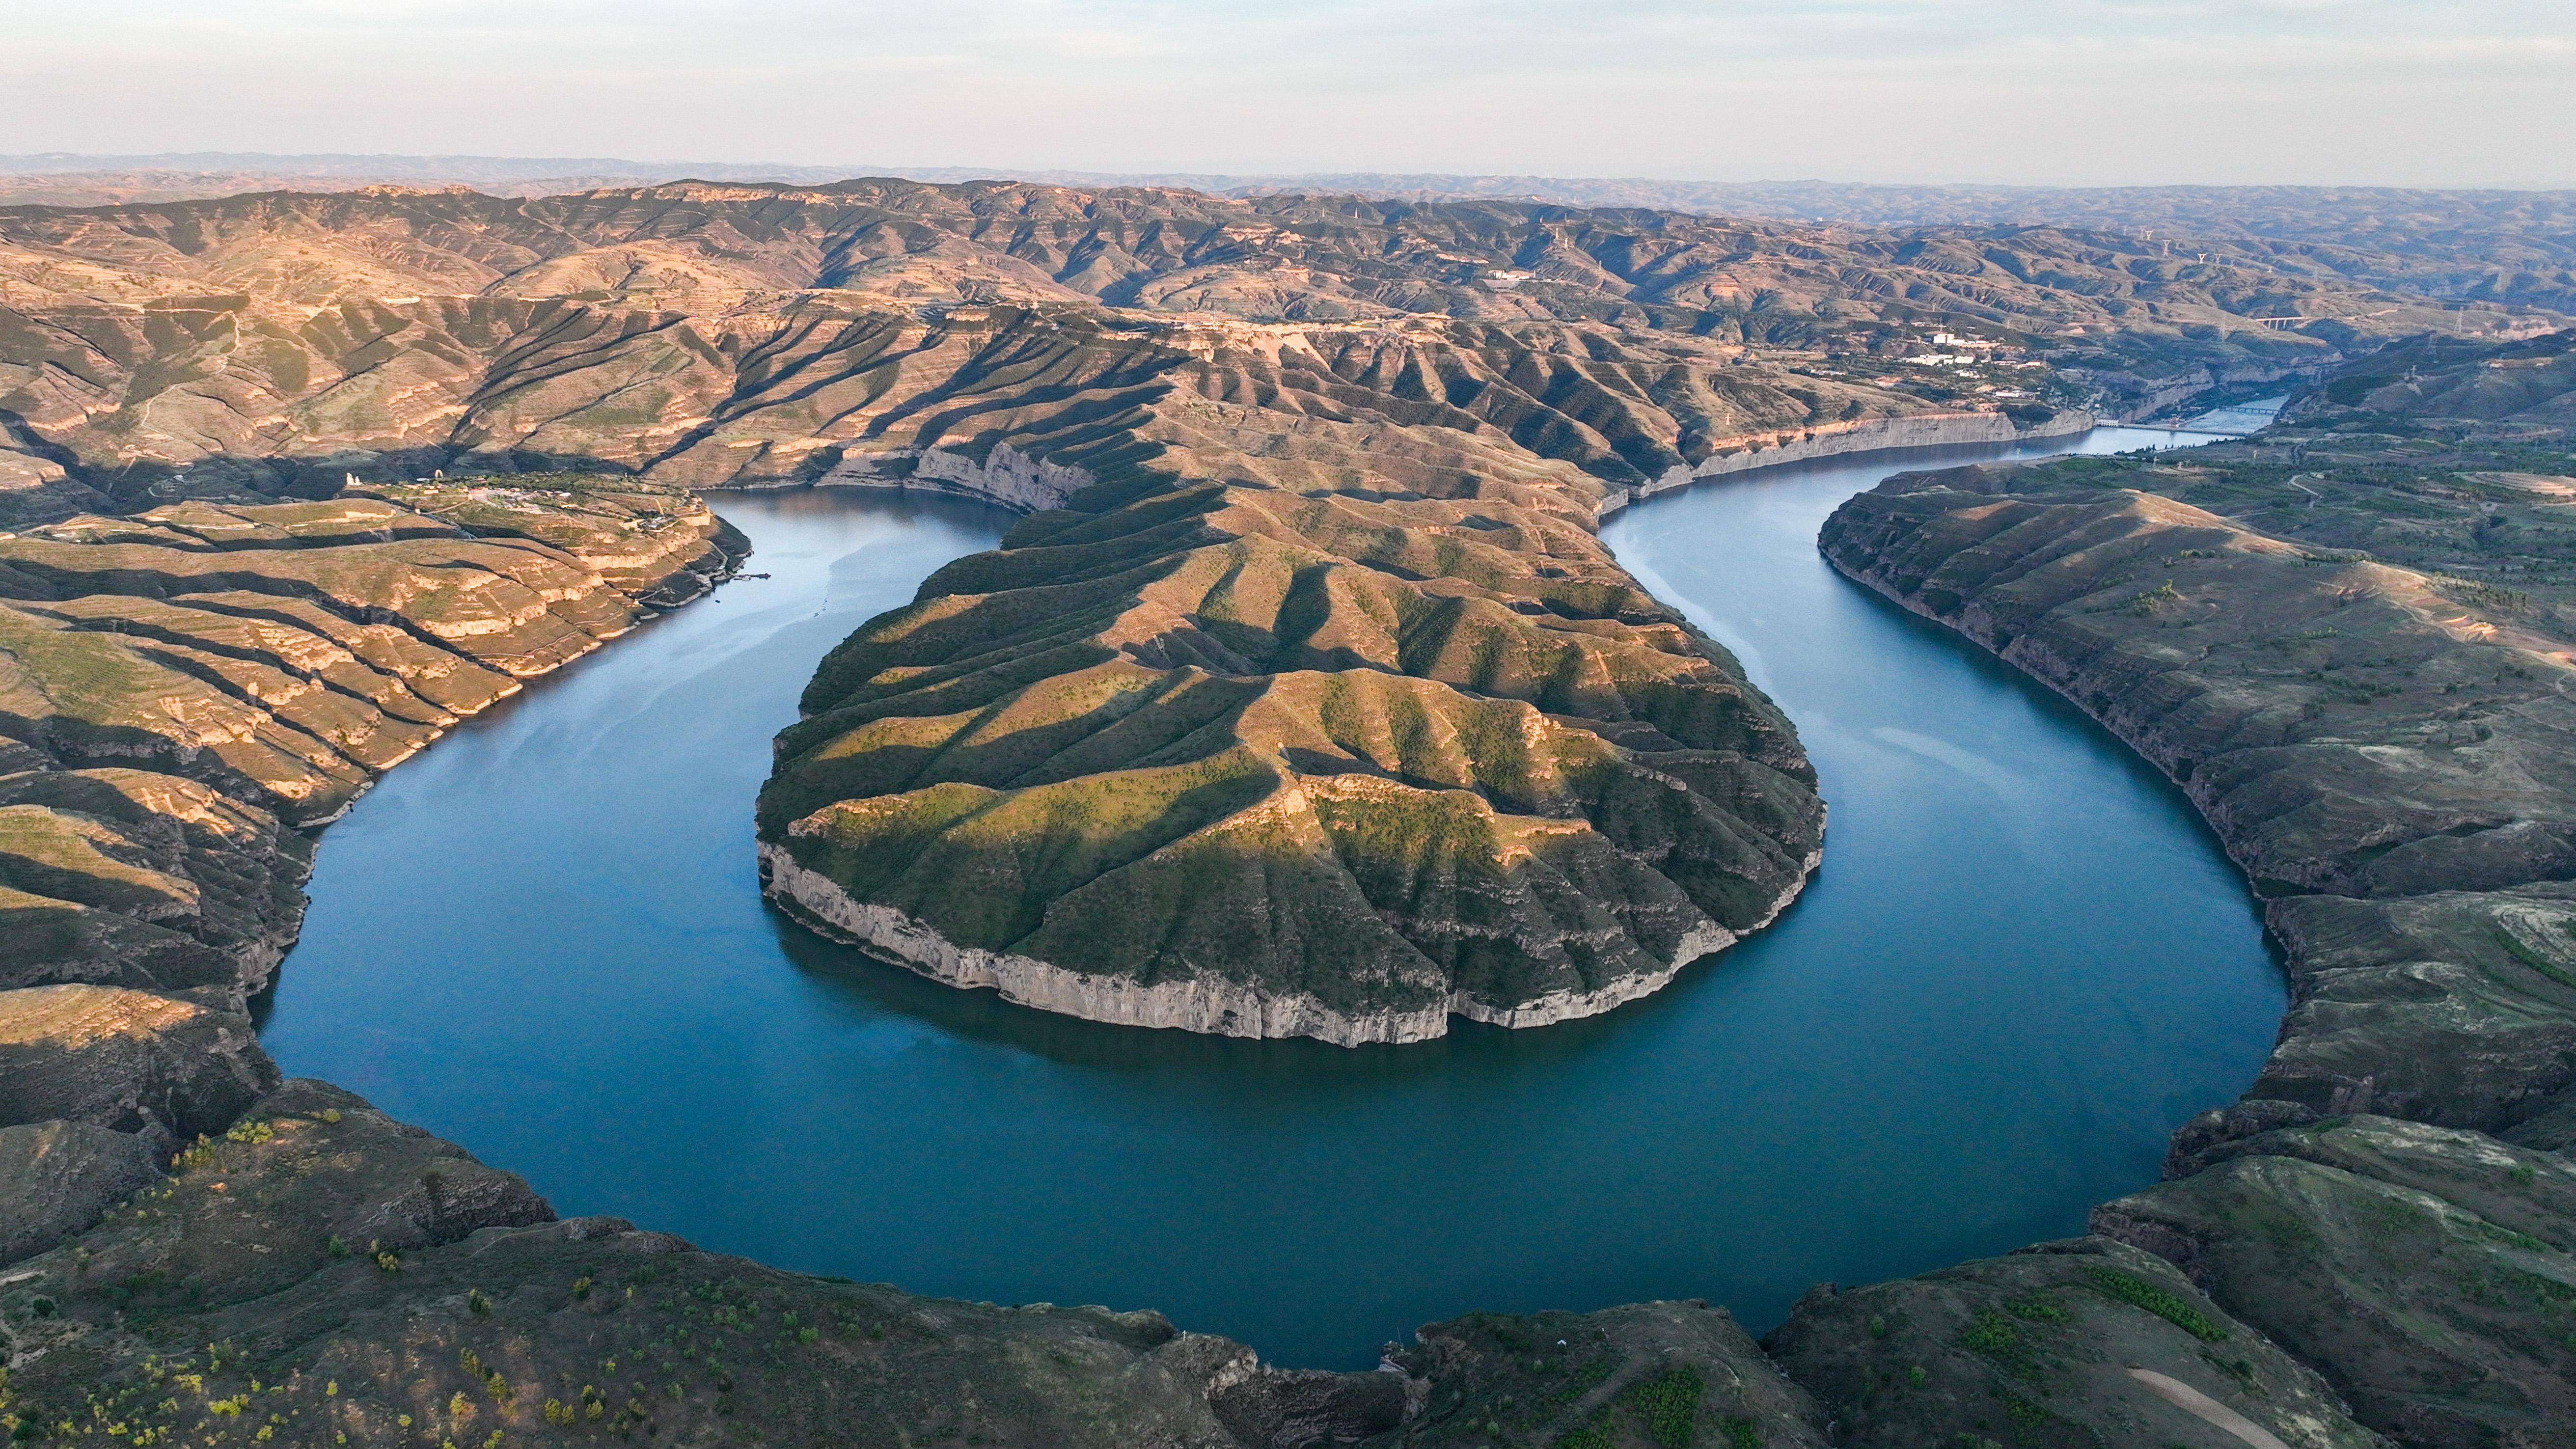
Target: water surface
x,y
2023,963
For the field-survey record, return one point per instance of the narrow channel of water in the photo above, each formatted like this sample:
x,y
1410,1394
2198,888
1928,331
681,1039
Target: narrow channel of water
x,y
2023,963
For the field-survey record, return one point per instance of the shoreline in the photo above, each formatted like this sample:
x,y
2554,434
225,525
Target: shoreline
x,y
1872,435
1209,1007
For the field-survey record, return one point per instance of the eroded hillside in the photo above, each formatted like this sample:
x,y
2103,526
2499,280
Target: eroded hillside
x,y
701,333
184,690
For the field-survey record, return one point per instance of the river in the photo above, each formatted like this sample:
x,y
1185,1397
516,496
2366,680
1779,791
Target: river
x,y
2023,963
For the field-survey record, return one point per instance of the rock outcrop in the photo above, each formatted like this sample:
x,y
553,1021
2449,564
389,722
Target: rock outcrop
x,y
1835,440
59,1178
130,1061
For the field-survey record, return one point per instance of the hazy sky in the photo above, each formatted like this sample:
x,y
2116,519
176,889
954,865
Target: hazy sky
x,y
2420,92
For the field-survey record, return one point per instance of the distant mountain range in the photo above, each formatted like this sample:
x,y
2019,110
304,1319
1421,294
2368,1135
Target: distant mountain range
x,y
2516,247
86,179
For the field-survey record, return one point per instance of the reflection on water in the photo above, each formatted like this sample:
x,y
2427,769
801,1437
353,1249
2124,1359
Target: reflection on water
x,y
2022,964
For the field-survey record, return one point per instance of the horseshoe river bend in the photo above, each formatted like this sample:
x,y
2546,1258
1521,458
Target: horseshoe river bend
x,y
2024,962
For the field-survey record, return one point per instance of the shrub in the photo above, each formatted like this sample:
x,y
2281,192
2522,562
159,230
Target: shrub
x,y
1670,1406
1990,1335
2139,1293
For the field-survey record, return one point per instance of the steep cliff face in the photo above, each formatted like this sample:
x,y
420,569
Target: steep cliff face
x,y
1004,475
1834,440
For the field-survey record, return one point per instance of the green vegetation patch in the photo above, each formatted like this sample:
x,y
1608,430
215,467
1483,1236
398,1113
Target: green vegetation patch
x,y
2139,1293
1669,1404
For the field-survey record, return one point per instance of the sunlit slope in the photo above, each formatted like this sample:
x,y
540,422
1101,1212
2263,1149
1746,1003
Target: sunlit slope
x,y
700,333
181,687
1317,709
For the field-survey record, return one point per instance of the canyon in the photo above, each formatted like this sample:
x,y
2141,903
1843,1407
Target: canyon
x,y
1304,699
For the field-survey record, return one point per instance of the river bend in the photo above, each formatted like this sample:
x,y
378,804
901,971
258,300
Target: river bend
x,y
2023,963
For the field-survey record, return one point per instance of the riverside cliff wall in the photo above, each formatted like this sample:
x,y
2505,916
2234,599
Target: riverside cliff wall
x,y
1872,435
1005,475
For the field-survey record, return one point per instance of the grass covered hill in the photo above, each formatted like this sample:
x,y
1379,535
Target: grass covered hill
x,y
1298,708
184,689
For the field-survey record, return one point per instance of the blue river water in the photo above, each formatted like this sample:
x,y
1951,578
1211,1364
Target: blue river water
x,y
2022,964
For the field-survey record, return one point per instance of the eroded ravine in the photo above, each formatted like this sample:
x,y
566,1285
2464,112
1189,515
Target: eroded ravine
x,y
2009,898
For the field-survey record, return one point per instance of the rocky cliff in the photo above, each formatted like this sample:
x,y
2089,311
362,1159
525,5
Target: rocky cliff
x,y
1835,440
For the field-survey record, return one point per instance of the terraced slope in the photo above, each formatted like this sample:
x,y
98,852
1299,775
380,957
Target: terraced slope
x,y
2386,748
183,689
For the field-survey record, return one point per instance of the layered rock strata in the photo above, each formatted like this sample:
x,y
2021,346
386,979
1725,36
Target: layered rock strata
x,y
184,692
